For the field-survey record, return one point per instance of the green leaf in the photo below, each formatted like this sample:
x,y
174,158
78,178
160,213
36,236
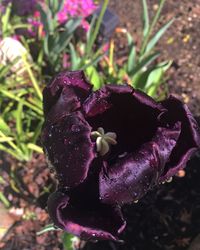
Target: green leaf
x,y
65,36
145,18
11,152
155,78
151,44
4,126
93,62
94,77
45,45
46,18
96,29
75,60
6,139
151,27
5,20
32,77
47,228
37,131
35,148
144,63
4,200
24,102
19,114
91,30
132,53
67,240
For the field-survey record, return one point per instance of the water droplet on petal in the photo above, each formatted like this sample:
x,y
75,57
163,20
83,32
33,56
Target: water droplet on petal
x,y
75,128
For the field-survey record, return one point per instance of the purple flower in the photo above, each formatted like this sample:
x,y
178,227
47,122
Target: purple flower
x,y
108,148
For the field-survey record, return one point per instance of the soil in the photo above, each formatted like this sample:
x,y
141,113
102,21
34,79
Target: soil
x,y
180,43
168,218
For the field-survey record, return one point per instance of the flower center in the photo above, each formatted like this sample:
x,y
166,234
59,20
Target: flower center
x,y
104,140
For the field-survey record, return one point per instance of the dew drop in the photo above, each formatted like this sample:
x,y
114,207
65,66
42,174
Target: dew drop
x,y
135,194
122,155
106,196
75,128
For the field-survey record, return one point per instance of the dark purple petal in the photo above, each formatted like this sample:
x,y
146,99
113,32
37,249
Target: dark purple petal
x,y
89,222
132,176
64,94
129,113
189,140
101,100
69,149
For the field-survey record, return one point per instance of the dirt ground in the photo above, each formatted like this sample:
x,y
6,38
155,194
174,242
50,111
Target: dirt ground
x,y
181,43
167,218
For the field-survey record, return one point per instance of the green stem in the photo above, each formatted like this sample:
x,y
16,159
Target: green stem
x,y
155,19
33,80
97,27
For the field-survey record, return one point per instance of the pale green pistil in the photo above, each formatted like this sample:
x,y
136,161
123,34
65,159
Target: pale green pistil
x,y
104,140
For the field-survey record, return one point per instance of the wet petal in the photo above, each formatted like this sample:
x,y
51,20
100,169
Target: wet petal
x,y
65,94
99,222
103,99
131,115
189,140
133,175
69,148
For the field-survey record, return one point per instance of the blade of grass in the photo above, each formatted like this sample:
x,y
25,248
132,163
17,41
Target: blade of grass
x,y
37,132
10,95
74,57
4,200
96,29
5,19
33,80
111,57
132,53
19,119
7,139
145,18
11,144
47,228
11,152
157,36
93,62
155,19
145,62
4,126
35,148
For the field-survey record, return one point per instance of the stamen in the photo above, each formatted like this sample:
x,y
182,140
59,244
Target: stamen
x,y
103,140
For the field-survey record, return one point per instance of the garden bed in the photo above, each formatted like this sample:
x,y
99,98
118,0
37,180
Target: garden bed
x,y
166,218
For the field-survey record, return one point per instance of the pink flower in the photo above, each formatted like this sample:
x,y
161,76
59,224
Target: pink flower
x,y
77,8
